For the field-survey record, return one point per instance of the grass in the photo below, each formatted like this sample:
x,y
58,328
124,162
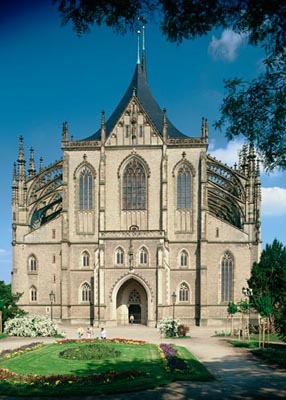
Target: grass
x,y
272,352
3,335
137,367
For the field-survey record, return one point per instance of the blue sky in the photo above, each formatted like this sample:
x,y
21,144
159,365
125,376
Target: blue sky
x,y
49,75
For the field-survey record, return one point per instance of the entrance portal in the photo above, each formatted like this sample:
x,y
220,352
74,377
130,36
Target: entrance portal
x,y
131,299
135,310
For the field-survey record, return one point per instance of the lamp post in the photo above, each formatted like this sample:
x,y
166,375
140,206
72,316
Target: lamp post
x,y
248,293
52,300
174,297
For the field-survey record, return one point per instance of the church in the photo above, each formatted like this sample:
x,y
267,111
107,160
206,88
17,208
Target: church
x,y
134,219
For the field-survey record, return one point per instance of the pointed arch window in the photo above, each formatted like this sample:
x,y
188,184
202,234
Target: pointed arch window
x,y
85,190
184,258
33,264
184,188
85,259
85,292
143,256
227,278
33,294
184,293
134,186
134,297
119,258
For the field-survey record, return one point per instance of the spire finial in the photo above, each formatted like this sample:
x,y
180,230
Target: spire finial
x,y
138,46
65,131
143,37
32,169
21,160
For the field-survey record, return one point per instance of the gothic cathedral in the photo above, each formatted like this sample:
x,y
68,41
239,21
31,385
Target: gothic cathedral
x,y
135,219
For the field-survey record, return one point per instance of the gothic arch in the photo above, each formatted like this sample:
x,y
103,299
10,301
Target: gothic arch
x,y
81,166
84,293
126,277
226,277
143,248
127,159
182,162
183,288
180,253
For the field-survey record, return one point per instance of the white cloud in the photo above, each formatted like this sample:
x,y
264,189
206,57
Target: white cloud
x,y
2,251
273,201
226,48
228,155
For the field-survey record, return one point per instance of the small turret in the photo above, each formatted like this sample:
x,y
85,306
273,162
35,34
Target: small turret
x,y
32,169
15,185
21,161
205,129
41,164
65,132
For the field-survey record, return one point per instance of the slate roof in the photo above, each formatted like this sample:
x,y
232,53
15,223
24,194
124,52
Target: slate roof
x,y
145,97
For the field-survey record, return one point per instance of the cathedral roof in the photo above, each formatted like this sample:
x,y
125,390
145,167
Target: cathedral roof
x,y
139,87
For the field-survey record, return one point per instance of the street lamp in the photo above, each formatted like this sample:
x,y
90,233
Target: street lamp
x,y
174,297
248,293
52,300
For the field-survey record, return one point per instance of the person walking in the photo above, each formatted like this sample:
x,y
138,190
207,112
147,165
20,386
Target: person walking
x,y
131,319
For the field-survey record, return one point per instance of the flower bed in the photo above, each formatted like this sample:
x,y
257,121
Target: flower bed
x,y
6,376
174,361
20,350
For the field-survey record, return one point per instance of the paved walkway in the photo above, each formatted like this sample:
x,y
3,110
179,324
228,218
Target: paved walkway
x,y
238,375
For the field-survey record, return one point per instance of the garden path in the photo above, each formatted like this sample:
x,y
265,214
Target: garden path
x,y
238,375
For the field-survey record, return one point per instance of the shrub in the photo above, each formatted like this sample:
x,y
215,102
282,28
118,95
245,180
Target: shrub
x,y
31,326
169,326
183,330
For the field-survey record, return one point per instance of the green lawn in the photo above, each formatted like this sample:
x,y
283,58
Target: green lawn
x,y
272,352
135,366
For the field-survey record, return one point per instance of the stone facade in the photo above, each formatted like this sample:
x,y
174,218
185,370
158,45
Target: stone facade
x,y
129,216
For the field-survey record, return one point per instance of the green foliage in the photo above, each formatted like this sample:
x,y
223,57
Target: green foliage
x,y
260,23
8,302
243,306
268,282
232,308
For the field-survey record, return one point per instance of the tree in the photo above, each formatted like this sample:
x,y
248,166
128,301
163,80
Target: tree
x,y
8,302
268,282
231,310
255,109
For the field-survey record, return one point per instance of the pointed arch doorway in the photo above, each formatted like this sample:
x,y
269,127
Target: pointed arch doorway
x,y
131,299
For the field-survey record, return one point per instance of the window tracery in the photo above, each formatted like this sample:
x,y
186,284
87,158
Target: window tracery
x,y
33,264
85,259
119,256
33,294
143,256
134,186
134,297
184,188
85,189
226,278
184,292
85,292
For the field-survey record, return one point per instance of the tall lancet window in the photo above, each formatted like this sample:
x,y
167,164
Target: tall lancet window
x,y
134,186
85,190
184,188
226,278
